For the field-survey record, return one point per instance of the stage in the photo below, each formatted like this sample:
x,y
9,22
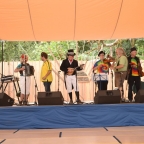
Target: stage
x,y
71,116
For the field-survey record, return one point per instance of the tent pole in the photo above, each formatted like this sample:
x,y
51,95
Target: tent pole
x,y
2,66
2,58
76,50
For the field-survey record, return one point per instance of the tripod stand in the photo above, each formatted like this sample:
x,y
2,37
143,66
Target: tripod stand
x,y
36,89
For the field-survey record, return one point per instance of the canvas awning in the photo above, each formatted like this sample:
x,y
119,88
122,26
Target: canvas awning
x,y
46,20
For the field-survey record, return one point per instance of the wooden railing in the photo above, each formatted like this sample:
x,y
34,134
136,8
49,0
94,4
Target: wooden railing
x,y
87,89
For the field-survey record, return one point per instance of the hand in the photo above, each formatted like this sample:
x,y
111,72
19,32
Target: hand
x,y
81,66
112,67
94,68
70,69
22,69
100,66
44,78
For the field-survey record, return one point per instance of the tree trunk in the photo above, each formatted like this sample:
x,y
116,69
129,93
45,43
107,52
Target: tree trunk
x,y
132,41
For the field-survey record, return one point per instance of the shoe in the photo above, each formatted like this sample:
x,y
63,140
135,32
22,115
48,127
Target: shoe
x,y
71,102
24,102
122,100
130,101
79,101
126,100
133,101
20,103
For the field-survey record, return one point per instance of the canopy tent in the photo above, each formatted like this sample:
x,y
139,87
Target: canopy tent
x,y
46,20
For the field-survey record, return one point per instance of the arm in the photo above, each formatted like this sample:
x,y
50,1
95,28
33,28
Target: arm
x,y
48,72
63,67
19,68
122,62
119,67
129,63
79,68
95,66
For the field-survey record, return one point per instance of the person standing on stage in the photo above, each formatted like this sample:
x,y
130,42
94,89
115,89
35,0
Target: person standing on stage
x,y
102,69
133,72
46,72
120,69
69,66
21,69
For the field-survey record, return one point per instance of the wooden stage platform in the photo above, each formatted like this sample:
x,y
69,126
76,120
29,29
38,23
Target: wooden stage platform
x,y
103,135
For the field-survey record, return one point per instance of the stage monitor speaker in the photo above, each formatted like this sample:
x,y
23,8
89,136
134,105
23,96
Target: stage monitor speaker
x,y
6,100
50,98
107,97
139,98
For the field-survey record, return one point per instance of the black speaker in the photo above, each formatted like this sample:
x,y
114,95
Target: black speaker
x,y
139,98
50,98
107,97
6,100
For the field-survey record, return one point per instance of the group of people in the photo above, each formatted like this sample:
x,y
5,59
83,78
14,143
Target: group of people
x,y
46,76
68,66
123,66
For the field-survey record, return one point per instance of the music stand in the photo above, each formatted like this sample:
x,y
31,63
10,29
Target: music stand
x,y
100,77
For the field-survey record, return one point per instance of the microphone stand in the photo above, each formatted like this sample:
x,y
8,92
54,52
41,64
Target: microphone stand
x,y
112,78
25,101
36,89
2,66
76,78
77,82
58,79
122,91
95,83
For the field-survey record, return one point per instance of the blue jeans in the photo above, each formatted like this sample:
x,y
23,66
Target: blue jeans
x,y
47,86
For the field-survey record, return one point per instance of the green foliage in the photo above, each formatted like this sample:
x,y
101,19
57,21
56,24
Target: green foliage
x,y
126,44
58,50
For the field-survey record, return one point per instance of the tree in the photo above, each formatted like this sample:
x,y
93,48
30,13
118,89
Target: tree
x,y
86,49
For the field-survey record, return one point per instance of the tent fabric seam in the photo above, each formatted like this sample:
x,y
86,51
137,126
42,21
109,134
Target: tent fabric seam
x,y
74,22
31,19
117,19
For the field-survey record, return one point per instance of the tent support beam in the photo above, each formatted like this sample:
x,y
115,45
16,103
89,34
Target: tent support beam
x,y
2,45
2,57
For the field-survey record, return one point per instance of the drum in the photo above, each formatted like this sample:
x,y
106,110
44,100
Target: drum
x,y
29,70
